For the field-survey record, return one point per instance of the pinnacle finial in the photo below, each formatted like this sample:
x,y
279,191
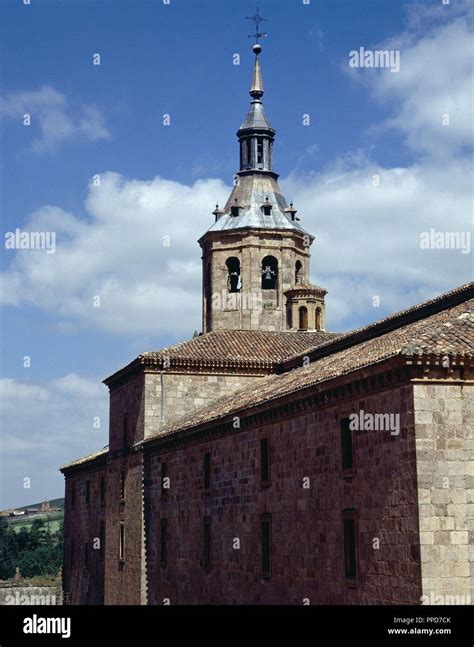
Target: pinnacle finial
x,y
256,91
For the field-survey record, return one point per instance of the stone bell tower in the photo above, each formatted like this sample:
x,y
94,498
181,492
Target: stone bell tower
x,y
256,254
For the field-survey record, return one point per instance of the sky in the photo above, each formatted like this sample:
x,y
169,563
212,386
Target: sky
x,y
372,157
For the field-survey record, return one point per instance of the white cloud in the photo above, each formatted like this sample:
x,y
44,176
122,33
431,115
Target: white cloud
x,y
77,386
43,426
368,237
57,119
120,255
435,80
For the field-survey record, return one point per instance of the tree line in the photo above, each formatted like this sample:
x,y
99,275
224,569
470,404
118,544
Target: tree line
x,y
35,550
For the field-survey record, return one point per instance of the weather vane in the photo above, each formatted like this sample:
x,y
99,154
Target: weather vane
x,y
257,20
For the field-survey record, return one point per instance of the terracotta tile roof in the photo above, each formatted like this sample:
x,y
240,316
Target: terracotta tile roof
x,y
454,336
230,349
243,345
85,459
450,331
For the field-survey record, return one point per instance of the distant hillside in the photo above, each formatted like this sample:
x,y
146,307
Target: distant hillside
x,y
54,503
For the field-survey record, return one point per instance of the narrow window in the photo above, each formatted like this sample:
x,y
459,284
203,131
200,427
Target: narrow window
x,y
207,545
289,317
88,492
347,450
86,556
259,150
164,478
207,471
264,461
319,319
72,552
249,153
163,532
298,268
102,541
266,521
350,551
125,430
234,211
122,486
121,554
303,318
208,292
102,489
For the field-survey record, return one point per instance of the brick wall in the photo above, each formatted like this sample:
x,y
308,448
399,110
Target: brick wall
x,y
127,400
444,417
307,536
124,578
138,401
83,577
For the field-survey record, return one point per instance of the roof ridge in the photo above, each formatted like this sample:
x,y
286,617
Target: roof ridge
x,y
265,350
85,459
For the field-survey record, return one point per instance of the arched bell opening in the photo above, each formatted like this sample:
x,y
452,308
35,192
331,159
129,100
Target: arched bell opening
x,y
234,282
269,273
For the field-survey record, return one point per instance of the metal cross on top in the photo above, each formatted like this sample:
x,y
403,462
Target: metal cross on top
x,y
257,20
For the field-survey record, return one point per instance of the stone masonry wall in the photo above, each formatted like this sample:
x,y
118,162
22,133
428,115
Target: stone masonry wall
x,y
444,417
306,531
254,308
183,393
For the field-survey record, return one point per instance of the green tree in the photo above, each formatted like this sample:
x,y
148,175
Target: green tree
x,y
38,533
8,551
44,560
35,551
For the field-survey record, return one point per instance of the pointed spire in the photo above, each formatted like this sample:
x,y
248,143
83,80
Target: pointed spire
x,y
256,118
256,91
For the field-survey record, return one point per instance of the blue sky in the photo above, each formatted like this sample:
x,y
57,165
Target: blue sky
x,y
107,119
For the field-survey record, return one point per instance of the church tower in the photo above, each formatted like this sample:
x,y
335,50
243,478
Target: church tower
x,y
256,254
